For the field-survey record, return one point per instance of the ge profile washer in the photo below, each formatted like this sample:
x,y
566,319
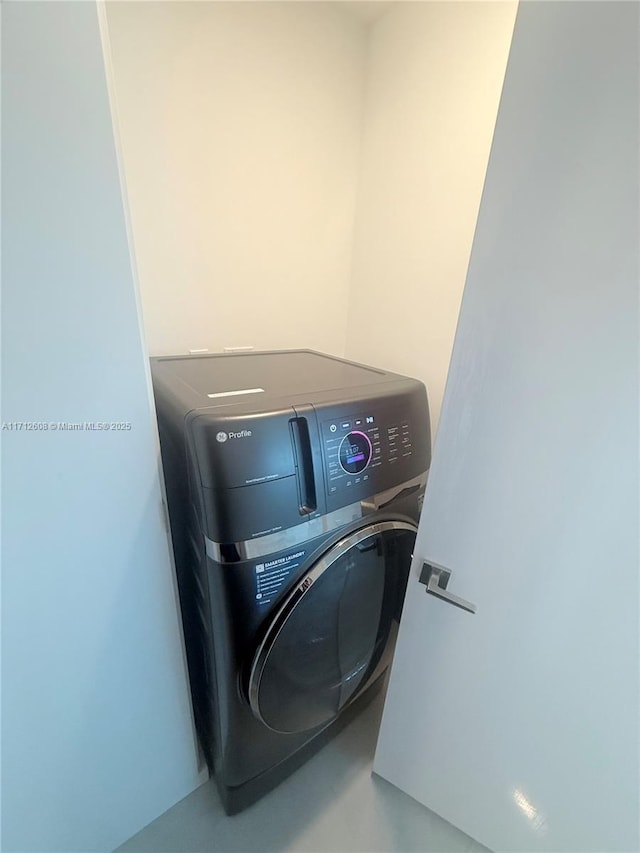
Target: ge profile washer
x,y
294,482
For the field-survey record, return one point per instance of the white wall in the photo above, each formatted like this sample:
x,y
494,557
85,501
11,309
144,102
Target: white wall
x,y
297,178
434,78
96,728
240,125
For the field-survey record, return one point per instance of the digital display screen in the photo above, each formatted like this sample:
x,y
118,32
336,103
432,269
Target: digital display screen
x,y
355,452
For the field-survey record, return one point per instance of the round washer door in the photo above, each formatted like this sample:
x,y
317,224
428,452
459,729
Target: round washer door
x,y
332,631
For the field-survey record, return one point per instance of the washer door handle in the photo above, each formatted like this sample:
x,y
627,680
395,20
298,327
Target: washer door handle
x,y
436,580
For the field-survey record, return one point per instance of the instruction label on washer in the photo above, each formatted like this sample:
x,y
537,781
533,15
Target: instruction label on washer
x,y
273,574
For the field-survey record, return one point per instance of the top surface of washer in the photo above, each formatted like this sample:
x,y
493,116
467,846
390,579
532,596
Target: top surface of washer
x,y
218,378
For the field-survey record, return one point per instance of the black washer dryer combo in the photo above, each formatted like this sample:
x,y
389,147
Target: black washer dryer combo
x,y
295,482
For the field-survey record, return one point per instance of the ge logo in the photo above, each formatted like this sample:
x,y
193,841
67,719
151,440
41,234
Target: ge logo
x,y
221,437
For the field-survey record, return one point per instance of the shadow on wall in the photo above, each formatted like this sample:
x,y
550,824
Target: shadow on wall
x,y
151,671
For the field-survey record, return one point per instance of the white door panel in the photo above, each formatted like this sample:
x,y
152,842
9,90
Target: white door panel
x,y
519,723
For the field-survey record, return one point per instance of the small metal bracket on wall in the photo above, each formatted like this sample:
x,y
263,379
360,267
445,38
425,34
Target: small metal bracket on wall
x,y
436,580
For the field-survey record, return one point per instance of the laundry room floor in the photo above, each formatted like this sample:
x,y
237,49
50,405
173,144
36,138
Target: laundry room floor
x,y
332,803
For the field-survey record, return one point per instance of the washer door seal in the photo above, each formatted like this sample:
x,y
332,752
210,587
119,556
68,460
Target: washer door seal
x,y
329,636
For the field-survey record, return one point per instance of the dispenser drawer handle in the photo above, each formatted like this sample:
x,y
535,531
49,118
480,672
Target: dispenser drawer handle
x,y
304,465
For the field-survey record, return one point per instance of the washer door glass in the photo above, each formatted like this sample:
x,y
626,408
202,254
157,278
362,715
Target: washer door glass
x,y
331,634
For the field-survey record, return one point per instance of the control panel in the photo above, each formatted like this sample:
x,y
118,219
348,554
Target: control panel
x,y
356,446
